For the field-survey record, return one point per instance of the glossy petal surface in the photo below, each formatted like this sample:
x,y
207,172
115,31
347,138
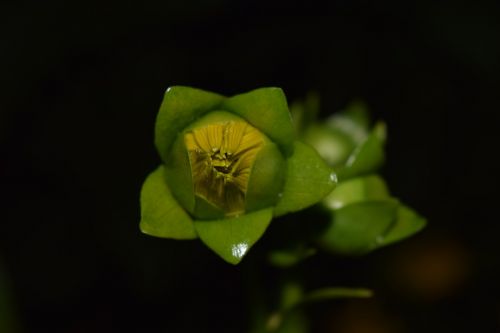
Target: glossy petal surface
x,y
161,215
180,107
267,110
232,238
308,180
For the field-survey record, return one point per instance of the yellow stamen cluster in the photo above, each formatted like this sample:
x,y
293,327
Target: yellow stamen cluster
x,y
221,157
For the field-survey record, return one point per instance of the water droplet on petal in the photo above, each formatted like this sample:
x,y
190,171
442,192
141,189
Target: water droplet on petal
x,y
239,250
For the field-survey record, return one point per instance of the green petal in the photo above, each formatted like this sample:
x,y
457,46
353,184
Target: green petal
x,y
359,228
366,188
232,238
180,106
266,179
308,180
408,223
178,174
267,110
367,157
161,215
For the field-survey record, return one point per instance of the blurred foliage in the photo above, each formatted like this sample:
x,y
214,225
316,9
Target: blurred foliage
x,y
363,214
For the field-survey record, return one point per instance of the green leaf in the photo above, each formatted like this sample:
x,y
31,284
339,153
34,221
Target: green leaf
x,y
358,189
308,180
161,215
335,293
408,223
231,238
367,157
267,110
359,228
288,257
181,106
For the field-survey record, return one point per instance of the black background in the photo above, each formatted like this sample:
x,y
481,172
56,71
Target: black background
x,y
81,83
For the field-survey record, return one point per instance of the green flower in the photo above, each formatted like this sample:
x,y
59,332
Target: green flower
x,y
230,164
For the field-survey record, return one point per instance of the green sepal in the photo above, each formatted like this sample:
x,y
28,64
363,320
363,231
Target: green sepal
x,y
366,157
267,110
360,227
231,238
180,107
178,174
308,180
161,214
266,178
367,188
408,222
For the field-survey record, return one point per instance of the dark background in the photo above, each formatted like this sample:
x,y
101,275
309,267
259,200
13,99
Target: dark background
x,y
81,83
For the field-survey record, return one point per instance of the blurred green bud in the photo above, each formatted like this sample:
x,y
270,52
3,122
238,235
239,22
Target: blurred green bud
x,y
363,216
347,143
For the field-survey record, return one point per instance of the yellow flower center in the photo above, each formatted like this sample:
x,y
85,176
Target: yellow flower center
x,y
221,157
